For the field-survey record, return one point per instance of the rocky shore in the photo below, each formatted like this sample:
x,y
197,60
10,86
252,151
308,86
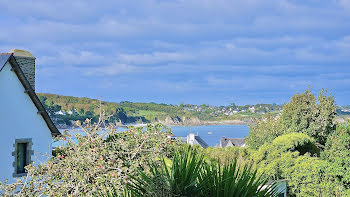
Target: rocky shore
x,y
184,121
194,121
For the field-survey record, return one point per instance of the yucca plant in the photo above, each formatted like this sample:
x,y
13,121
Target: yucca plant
x,y
188,174
179,178
232,180
114,193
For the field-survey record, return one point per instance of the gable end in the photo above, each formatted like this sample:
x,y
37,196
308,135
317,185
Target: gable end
x,y
28,90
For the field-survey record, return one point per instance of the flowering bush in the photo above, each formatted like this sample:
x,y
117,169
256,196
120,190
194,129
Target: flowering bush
x,y
94,160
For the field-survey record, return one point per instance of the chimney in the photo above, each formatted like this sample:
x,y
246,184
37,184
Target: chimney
x,y
190,138
27,63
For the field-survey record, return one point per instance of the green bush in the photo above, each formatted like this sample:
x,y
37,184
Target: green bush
x,y
189,175
337,153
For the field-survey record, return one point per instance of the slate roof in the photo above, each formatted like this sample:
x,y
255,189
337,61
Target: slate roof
x,y
200,141
8,57
239,142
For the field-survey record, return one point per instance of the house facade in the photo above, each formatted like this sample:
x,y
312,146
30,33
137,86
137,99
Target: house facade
x,y
26,130
192,139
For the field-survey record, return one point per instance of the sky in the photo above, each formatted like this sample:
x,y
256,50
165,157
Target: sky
x,y
193,51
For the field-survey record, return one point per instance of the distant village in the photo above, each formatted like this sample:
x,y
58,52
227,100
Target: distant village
x,y
61,117
233,109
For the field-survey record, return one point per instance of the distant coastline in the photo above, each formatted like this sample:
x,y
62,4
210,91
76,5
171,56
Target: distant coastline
x,y
201,123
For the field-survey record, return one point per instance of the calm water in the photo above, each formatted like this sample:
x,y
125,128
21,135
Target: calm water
x,y
211,134
217,131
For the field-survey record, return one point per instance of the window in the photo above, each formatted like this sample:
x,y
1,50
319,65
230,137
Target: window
x,y
22,156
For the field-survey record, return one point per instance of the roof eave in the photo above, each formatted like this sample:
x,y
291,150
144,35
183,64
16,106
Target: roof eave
x,y
29,90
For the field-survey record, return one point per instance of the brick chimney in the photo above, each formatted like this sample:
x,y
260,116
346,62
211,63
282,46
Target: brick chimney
x,y
27,63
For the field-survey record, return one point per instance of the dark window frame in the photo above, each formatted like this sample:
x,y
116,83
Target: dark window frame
x,y
28,154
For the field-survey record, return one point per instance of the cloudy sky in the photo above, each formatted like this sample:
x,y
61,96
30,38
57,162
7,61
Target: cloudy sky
x,y
191,51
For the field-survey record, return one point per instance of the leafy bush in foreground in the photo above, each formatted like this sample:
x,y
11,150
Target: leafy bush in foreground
x,y
189,175
98,160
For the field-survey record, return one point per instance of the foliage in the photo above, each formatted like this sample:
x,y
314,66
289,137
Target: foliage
x,y
234,180
303,114
98,159
264,131
288,146
294,157
337,152
189,175
178,180
226,154
273,158
310,176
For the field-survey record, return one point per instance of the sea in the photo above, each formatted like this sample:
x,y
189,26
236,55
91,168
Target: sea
x,y
211,134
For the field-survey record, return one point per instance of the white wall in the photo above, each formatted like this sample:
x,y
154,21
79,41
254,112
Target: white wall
x,y
19,119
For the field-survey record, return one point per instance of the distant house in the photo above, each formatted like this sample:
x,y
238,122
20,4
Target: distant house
x,y
193,139
60,113
229,142
252,109
26,130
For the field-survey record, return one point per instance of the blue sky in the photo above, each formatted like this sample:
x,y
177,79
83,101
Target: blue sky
x,y
192,51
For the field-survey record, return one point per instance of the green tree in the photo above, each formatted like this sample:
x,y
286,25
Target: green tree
x,y
120,114
337,152
303,114
264,131
274,158
310,176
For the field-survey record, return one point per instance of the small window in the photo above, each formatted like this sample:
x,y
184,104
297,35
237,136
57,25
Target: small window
x,y
21,157
22,154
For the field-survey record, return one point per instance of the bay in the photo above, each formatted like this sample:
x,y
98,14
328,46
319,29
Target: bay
x,y
212,134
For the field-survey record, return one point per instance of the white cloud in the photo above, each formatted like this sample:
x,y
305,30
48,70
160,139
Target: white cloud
x,y
112,70
345,4
154,57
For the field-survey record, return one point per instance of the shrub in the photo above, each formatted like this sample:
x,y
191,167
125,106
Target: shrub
x,y
189,175
98,160
279,155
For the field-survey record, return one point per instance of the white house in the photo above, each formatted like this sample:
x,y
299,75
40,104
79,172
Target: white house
x,y
192,139
60,112
252,109
26,130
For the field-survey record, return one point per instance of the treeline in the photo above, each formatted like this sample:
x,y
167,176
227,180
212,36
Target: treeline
x,y
65,109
